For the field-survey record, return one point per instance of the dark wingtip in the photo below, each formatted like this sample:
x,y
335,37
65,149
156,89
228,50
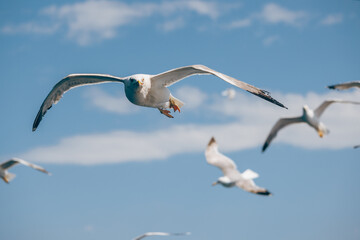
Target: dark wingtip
x,y
331,87
266,193
37,120
266,95
264,147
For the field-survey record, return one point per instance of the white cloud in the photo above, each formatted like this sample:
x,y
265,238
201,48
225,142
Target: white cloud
x,y
90,21
332,19
252,121
240,23
273,13
116,104
192,97
270,40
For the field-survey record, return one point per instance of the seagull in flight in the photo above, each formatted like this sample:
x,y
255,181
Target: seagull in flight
x,y
232,177
7,177
343,86
144,89
160,234
309,116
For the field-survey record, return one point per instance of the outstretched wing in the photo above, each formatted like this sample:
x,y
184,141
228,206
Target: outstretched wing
x,y
281,123
12,162
159,234
343,86
215,158
250,186
69,82
172,76
319,110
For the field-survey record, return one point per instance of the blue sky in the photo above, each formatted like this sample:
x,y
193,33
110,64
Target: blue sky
x,y
120,170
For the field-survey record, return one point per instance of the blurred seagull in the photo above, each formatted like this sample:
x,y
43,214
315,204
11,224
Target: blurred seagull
x,y
229,93
143,89
160,234
309,116
7,177
347,85
232,177
357,146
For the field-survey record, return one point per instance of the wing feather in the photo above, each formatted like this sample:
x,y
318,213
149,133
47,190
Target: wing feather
x,y
346,85
172,76
215,158
281,123
69,82
13,161
250,186
319,110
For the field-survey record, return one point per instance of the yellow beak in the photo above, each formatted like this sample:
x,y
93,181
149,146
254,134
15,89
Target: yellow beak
x,y
321,134
140,83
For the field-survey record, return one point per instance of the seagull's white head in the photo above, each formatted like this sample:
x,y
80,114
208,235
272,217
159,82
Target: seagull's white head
x,y
135,81
322,130
306,108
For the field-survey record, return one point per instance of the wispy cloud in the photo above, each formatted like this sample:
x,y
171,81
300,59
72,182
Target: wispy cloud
x,y
30,27
250,122
274,14
90,21
242,23
332,19
172,25
270,40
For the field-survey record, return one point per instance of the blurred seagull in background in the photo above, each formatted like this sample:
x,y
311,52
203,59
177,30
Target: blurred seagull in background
x,y
145,90
357,146
7,177
229,93
232,177
309,116
347,85
160,234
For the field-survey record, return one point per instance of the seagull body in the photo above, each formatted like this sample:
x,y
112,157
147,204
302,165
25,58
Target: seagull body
x,y
232,177
7,177
309,116
159,234
144,89
347,85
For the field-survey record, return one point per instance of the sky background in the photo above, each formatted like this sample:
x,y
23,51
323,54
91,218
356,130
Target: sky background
x,y
120,170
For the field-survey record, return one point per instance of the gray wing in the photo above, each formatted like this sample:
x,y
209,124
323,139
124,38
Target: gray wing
x,y
319,110
343,86
159,234
12,162
69,82
281,123
250,186
215,158
172,76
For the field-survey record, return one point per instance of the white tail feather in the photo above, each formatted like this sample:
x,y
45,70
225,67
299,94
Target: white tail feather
x,y
176,101
249,174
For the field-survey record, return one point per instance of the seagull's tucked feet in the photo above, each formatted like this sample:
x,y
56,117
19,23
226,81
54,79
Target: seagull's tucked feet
x,y
173,105
165,112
